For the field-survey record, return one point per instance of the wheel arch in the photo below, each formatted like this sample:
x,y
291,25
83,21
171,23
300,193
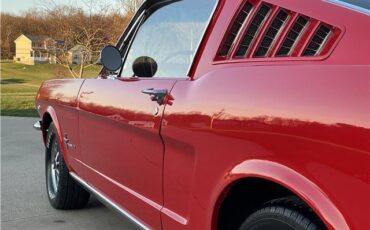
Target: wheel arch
x,y
49,116
286,179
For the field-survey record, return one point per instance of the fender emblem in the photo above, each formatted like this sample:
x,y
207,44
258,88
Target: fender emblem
x,y
68,143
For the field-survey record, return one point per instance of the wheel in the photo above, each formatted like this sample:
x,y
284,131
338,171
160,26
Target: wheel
x,y
62,190
289,213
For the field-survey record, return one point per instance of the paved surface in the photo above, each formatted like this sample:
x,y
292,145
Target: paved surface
x,y
24,203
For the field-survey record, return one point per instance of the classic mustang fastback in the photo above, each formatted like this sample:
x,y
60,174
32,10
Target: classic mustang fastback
x,y
220,114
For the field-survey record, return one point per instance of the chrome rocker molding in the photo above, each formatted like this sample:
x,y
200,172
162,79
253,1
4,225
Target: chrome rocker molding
x,y
108,202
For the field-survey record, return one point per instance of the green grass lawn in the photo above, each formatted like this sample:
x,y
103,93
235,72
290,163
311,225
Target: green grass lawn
x,y
20,83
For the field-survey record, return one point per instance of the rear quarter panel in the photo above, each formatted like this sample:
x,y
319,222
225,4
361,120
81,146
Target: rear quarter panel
x,y
313,120
312,117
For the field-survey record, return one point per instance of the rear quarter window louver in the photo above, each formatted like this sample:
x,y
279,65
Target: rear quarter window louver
x,y
272,33
235,29
292,37
261,31
318,41
253,29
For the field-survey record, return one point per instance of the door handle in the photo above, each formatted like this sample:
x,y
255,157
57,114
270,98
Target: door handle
x,y
157,95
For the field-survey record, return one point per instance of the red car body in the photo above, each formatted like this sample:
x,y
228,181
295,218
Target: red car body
x,y
301,124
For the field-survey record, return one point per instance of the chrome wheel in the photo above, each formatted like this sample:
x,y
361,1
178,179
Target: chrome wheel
x,y
53,172
62,190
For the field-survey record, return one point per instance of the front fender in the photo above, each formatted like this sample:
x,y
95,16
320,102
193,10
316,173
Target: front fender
x,y
60,98
295,182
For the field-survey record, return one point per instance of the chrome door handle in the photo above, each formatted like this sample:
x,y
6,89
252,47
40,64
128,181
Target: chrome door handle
x,y
157,95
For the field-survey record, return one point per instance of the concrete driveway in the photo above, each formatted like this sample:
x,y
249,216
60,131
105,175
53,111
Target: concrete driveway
x,y
24,203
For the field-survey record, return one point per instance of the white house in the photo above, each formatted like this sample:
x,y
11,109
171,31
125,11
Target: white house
x,y
77,53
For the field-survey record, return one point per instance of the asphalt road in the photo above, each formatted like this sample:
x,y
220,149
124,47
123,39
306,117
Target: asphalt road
x,y
24,203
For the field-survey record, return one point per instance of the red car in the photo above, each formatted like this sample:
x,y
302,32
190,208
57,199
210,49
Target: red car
x,y
215,114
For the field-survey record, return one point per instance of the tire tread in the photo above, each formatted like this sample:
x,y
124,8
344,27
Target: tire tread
x,y
70,194
291,209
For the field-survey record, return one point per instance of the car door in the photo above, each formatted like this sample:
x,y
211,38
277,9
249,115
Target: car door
x,y
120,119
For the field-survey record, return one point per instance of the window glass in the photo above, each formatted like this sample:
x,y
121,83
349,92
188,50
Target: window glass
x,y
360,3
171,36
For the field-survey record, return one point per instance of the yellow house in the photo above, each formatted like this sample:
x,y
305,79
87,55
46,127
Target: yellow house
x,y
33,50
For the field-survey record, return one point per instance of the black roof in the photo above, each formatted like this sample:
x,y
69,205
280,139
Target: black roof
x,y
40,38
36,37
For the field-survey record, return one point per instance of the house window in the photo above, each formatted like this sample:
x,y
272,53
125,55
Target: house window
x,y
31,53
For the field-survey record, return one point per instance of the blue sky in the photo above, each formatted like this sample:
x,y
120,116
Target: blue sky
x,y
18,6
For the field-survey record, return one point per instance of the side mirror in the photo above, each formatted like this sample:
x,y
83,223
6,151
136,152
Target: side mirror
x,y
144,67
111,58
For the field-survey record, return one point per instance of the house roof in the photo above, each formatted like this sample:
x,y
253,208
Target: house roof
x,y
36,38
40,38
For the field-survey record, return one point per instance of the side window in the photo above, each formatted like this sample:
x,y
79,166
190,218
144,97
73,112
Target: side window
x,y
357,3
171,35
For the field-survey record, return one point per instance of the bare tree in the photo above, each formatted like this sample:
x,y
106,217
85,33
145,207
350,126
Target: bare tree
x,y
14,25
129,7
85,29
7,33
91,25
